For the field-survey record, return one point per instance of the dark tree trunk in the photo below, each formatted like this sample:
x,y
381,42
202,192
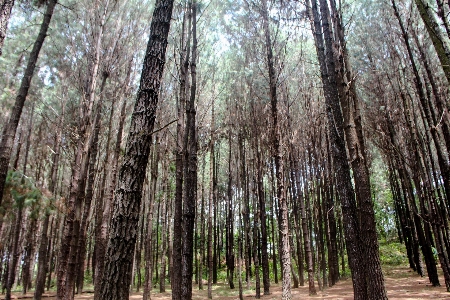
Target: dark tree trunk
x,y
340,163
230,221
15,253
119,254
179,163
190,172
10,128
104,215
262,216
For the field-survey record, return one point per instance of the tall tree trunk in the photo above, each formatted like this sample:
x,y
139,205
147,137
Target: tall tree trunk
x,y
15,253
149,232
164,225
336,134
190,171
90,188
10,128
306,232
42,259
262,215
229,221
211,202
119,254
179,159
278,155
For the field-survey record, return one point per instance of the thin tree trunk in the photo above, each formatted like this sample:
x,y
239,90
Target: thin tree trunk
x,y
89,189
148,239
229,221
211,202
14,254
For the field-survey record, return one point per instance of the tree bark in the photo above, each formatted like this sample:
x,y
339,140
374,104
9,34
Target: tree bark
x,y
5,13
279,163
9,130
190,171
118,264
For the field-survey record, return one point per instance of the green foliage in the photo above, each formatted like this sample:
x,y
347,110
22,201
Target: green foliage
x,y
23,193
383,200
393,254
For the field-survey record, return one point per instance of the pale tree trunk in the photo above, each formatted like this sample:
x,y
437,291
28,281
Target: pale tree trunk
x,y
279,163
10,128
123,229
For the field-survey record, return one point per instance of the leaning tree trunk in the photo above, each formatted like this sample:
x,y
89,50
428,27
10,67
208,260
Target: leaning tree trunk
x,y
123,229
9,131
340,163
440,42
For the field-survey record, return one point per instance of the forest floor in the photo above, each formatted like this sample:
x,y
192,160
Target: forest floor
x,y
401,283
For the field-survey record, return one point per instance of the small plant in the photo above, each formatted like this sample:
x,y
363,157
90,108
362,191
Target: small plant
x,y
393,254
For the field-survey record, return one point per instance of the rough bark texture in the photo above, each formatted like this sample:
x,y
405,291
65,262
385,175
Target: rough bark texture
x,y
5,12
179,160
190,173
9,130
123,229
437,37
340,163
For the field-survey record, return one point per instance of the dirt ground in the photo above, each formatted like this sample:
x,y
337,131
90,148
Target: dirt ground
x,y
401,283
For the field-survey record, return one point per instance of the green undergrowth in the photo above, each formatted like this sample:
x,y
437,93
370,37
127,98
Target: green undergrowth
x,y
393,254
